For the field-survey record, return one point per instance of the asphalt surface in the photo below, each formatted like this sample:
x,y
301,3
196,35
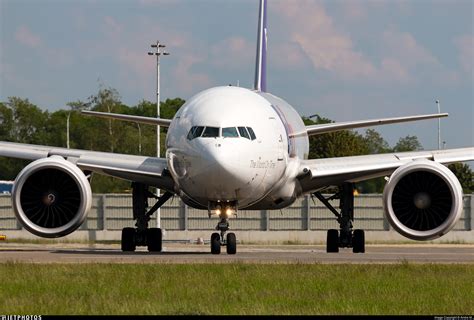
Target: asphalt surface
x,y
193,253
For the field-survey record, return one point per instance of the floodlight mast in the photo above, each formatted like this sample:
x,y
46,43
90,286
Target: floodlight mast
x,y
158,53
439,125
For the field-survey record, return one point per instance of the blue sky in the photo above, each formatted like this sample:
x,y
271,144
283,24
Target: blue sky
x,y
345,60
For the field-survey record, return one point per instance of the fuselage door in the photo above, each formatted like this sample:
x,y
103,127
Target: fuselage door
x,y
278,141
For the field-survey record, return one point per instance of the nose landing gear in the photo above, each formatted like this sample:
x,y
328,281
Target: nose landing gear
x,y
218,240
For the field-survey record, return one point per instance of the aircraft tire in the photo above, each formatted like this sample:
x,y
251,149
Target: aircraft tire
x,y
154,240
332,242
358,241
231,243
128,239
215,243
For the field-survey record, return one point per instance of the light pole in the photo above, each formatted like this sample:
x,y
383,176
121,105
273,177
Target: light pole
x,y
73,106
439,126
139,139
67,129
158,46
13,129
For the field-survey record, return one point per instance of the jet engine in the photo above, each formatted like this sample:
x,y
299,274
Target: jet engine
x,y
423,200
51,197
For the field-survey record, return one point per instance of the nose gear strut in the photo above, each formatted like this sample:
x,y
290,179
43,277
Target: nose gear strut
x,y
218,240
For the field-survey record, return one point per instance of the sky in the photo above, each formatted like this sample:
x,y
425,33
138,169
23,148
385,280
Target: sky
x,y
344,60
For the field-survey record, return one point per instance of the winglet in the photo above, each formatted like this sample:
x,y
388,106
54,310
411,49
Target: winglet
x,y
261,57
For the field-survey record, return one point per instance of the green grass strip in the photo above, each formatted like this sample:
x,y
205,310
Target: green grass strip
x,y
242,289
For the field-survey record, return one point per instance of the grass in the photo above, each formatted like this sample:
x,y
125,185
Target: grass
x,y
236,289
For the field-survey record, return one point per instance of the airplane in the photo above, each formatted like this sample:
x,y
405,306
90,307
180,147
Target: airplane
x,y
232,148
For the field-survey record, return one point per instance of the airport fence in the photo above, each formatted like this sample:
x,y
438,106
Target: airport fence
x,y
112,212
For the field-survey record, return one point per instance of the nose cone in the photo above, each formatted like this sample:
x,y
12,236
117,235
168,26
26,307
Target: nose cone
x,y
221,173
226,174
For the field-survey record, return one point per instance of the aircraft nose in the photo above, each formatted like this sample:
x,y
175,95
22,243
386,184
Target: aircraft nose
x,y
222,174
224,162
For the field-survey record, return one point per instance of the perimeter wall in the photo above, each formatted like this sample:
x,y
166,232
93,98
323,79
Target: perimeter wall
x,y
304,222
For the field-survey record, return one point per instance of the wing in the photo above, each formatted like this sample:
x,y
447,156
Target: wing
x,y
338,126
149,170
319,173
126,117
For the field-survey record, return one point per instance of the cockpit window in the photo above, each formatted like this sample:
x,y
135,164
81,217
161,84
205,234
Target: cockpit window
x,y
191,133
214,132
230,132
210,132
243,133
252,134
195,132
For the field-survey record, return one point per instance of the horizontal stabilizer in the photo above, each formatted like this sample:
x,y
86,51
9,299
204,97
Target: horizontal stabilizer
x,y
331,127
127,117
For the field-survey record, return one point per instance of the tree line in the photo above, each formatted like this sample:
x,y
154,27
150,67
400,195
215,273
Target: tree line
x,y
24,122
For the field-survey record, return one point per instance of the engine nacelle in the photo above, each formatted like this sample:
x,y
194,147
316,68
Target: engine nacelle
x,y
51,197
423,200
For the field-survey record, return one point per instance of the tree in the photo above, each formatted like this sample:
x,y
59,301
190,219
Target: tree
x,y
55,129
465,176
107,100
334,144
20,121
28,121
375,143
168,109
6,122
409,143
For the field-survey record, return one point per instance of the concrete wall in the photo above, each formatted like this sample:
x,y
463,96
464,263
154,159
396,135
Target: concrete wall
x,y
304,221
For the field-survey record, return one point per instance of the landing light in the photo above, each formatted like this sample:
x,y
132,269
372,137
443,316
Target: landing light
x,y
222,209
229,212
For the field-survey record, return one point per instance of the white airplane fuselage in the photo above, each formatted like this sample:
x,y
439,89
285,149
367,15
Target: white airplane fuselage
x,y
219,165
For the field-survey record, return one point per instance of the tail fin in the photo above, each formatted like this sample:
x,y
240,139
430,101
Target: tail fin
x,y
261,59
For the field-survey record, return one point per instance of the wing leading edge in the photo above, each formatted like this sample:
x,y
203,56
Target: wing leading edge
x,y
149,170
319,173
337,126
127,117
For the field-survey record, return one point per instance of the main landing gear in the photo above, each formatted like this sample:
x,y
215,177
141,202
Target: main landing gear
x,y
218,240
345,237
142,235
